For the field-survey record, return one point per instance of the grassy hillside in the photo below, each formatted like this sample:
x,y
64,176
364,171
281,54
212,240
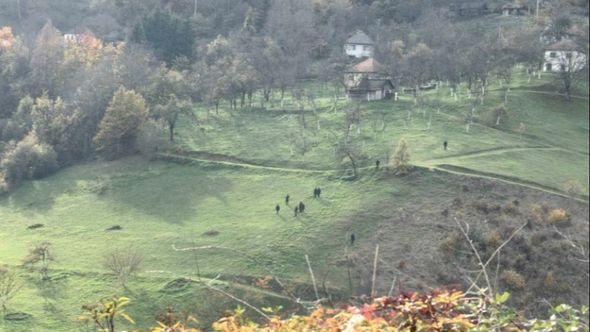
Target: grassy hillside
x,y
238,165
555,140
160,204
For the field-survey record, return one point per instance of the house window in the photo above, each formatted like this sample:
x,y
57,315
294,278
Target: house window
x,y
553,55
568,55
353,47
548,67
562,67
365,48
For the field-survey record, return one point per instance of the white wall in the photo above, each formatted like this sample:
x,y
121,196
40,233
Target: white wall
x,y
358,51
571,60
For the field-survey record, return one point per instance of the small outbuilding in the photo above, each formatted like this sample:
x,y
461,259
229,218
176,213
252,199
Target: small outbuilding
x,y
514,9
366,82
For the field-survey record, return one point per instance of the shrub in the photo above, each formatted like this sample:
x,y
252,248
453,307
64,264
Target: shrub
x,y
513,280
537,214
573,187
549,282
449,245
151,138
558,216
486,207
401,157
510,208
29,159
493,239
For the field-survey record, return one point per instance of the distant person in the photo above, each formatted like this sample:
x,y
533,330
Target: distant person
x,y
377,164
278,208
319,192
287,199
445,145
352,239
296,211
301,207
315,192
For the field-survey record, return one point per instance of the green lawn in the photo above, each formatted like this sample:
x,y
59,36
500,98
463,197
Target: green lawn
x,y
160,204
274,136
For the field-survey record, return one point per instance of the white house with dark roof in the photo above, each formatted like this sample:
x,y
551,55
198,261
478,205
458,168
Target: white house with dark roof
x,y
563,56
359,45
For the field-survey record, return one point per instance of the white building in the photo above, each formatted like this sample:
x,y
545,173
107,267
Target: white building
x,y
359,45
563,56
74,38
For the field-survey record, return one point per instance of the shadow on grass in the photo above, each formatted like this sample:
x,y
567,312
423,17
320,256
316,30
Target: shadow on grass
x,y
173,196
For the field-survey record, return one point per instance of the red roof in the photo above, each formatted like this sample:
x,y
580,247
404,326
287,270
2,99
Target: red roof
x,y
368,66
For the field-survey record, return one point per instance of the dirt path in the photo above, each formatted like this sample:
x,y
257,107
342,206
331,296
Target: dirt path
x,y
236,163
493,151
452,169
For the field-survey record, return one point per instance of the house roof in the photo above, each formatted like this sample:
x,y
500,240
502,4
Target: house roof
x,y
359,37
371,84
369,65
472,5
512,5
563,45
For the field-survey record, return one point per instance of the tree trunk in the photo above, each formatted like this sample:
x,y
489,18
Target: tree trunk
x,y
171,126
354,170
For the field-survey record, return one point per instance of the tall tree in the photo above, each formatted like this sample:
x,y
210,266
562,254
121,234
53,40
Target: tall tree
x,y
46,61
169,35
121,124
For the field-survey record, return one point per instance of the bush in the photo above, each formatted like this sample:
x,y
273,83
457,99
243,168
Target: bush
x,y
549,282
513,280
537,214
511,208
449,245
558,216
493,240
573,187
29,159
152,138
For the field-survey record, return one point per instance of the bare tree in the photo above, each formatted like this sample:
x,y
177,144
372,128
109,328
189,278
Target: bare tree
x,y
123,263
42,256
569,71
9,287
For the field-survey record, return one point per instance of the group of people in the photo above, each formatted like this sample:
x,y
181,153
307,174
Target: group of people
x,y
299,208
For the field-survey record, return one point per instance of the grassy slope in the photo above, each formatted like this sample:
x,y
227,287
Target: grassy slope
x,y
160,204
274,136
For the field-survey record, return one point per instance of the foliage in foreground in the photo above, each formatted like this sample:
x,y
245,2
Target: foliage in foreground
x,y
434,311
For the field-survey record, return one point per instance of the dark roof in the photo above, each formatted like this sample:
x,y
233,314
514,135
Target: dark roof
x,y
512,5
369,65
371,84
471,5
563,45
360,37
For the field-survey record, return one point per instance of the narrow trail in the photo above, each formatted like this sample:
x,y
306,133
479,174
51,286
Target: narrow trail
x,y
451,169
546,93
241,164
493,151
463,171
